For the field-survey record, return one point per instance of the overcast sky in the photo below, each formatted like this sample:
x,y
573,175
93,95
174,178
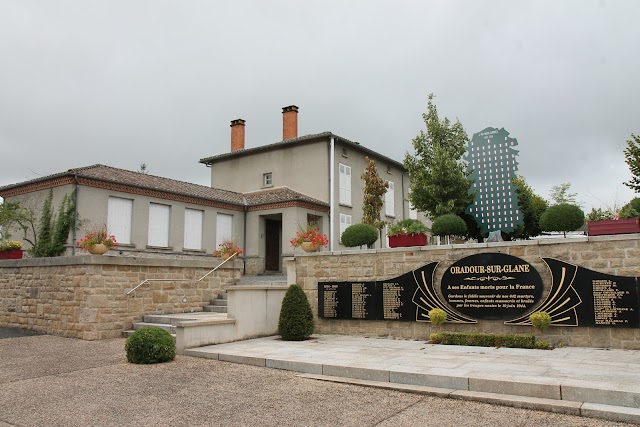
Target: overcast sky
x,y
126,82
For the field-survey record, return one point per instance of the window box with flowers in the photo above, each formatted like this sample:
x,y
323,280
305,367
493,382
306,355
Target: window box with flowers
x,y
624,221
309,239
11,250
97,241
408,232
227,249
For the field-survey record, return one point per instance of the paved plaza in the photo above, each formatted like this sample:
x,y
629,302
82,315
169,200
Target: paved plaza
x,y
54,381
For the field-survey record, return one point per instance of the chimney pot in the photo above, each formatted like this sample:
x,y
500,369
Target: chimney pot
x,y
237,134
289,122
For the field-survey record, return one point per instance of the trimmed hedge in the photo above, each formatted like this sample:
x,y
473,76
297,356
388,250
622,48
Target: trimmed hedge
x,y
484,340
150,345
359,235
296,319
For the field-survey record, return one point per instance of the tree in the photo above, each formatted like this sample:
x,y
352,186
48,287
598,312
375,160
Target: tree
x,y
439,183
12,216
560,194
449,225
359,235
563,217
374,188
144,169
632,157
531,207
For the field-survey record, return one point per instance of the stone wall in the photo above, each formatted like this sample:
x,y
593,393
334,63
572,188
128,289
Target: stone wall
x,y
85,297
618,255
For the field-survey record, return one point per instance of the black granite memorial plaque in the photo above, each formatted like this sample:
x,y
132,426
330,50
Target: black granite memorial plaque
x,y
491,286
348,300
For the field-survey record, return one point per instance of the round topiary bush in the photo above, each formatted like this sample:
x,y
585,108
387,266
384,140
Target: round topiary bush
x,y
540,320
563,217
150,345
449,225
359,235
296,319
437,316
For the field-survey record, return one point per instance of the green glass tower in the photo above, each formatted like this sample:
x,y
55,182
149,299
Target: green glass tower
x,y
491,159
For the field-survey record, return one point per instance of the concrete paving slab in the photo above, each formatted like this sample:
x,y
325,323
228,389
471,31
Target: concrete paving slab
x,y
526,402
612,413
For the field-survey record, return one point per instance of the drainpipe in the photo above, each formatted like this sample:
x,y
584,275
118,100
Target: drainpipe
x,y
404,209
332,208
75,217
244,236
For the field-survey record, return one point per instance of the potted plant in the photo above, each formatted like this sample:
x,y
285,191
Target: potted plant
x,y
11,250
623,221
97,241
227,249
309,239
408,232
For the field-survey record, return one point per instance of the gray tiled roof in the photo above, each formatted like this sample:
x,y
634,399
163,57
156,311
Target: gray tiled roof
x,y
279,195
302,139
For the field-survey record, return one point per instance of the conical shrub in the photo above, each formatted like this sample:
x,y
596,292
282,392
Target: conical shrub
x,y
296,319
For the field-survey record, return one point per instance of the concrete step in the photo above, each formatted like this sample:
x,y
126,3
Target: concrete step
x,y
273,280
219,302
126,334
215,308
167,327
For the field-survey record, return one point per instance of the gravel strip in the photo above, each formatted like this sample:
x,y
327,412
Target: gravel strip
x,y
54,381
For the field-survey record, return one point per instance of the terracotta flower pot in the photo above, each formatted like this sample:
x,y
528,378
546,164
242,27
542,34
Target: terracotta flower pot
x,y
98,249
309,247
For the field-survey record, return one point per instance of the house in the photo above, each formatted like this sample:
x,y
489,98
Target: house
x,y
258,197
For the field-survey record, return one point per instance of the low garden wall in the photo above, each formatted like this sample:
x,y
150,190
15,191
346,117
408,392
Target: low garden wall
x,y
85,297
616,255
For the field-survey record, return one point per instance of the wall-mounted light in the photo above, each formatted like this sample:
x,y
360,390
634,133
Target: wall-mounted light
x,y
184,300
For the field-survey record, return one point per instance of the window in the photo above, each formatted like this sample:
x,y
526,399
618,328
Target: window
x,y
159,225
344,152
224,228
267,179
345,184
345,222
413,213
119,214
389,200
193,229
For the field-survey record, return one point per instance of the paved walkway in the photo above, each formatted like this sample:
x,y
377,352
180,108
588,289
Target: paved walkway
x,y
581,381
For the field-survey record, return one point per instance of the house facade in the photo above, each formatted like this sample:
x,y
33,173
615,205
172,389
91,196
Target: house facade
x,y
258,198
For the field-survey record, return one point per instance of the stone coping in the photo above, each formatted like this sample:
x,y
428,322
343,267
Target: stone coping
x,y
459,246
116,260
257,287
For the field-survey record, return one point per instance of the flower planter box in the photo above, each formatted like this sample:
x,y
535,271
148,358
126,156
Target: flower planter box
x,y
407,240
11,254
613,226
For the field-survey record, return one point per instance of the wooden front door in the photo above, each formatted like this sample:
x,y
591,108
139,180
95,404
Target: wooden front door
x,y
273,230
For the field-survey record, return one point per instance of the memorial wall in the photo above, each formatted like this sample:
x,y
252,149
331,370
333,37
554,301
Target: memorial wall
x,y
589,286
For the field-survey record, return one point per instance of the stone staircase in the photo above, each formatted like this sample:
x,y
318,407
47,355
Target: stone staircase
x,y
216,310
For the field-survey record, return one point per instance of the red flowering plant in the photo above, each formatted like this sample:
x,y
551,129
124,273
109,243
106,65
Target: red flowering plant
x,y
226,249
309,234
97,235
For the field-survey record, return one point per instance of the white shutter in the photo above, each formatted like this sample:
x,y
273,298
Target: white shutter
x,y
345,184
159,225
224,228
119,214
193,228
389,200
345,222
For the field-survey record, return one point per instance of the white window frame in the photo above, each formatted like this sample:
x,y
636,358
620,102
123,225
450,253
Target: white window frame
x,y
119,219
159,225
267,179
345,184
345,222
224,228
389,200
193,220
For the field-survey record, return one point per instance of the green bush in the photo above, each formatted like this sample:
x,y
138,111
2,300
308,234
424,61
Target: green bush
x,y
635,204
359,235
543,345
296,319
407,226
150,345
540,320
437,316
563,217
484,340
449,225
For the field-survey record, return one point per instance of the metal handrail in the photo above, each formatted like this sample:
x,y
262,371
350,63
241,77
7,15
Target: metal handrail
x,y
182,280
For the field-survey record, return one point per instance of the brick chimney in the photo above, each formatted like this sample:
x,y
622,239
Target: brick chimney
x,y
289,122
237,135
